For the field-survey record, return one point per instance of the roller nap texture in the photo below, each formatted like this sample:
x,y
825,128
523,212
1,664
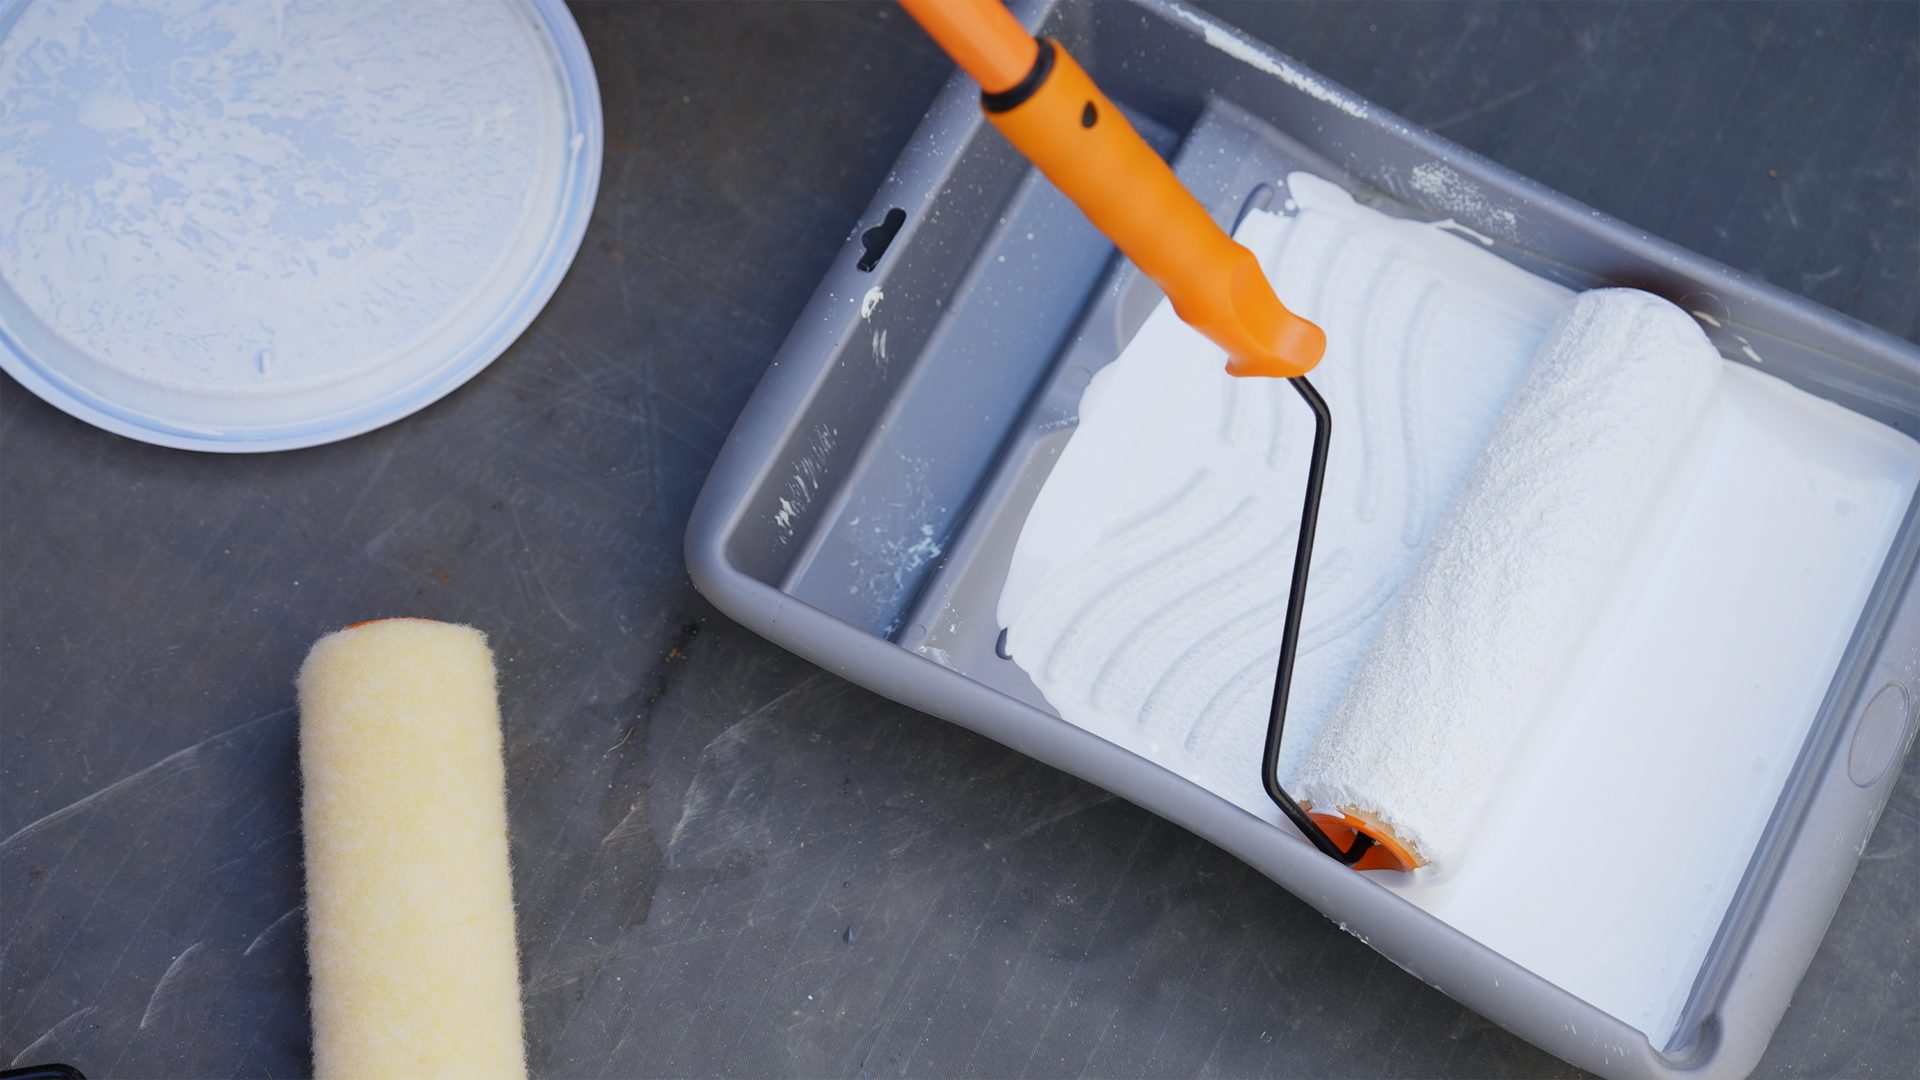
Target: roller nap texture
x,y
409,899
1514,574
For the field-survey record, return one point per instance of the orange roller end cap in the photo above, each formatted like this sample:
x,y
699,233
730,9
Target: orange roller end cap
x,y
1387,852
390,618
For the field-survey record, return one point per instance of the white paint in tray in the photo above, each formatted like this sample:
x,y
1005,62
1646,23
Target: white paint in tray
x,y
1145,592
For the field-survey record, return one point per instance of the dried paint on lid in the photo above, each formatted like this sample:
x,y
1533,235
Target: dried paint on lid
x,y
239,225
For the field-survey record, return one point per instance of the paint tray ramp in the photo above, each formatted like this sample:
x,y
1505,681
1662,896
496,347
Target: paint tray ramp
x,y
864,510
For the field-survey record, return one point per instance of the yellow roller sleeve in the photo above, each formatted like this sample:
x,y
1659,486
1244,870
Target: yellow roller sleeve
x,y
409,899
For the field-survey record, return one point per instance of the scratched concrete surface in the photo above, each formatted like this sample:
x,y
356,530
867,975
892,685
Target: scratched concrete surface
x,y
729,862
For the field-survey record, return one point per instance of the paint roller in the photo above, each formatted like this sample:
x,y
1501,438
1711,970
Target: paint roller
x,y
409,895
1047,106
1455,681
1458,677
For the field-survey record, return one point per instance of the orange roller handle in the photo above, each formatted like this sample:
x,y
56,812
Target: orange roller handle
x,y
1053,113
981,36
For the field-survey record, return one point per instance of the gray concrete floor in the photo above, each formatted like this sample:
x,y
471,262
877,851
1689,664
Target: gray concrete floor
x,y
727,861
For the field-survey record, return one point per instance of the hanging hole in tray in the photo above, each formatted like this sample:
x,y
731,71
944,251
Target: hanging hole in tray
x,y
1000,646
876,240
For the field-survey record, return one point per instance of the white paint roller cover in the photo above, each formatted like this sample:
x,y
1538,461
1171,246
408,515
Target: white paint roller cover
x,y
409,898
1514,574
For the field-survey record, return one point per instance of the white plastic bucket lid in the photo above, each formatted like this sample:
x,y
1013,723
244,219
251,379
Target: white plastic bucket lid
x,y
245,225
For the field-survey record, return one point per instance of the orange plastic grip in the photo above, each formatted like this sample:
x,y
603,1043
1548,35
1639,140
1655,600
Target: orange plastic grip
x,y
1082,143
982,36
1086,147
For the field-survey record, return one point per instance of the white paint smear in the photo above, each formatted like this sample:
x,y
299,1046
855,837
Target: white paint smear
x,y
1256,56
1441,188
1470,233
1145,592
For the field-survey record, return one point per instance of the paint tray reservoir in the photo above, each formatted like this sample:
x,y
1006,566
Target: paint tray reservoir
x,y
866,510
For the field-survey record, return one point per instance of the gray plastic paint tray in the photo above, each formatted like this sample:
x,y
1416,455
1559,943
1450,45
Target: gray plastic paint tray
x,y
863,512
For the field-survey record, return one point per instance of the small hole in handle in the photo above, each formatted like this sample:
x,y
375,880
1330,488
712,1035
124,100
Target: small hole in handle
x,y
876,240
